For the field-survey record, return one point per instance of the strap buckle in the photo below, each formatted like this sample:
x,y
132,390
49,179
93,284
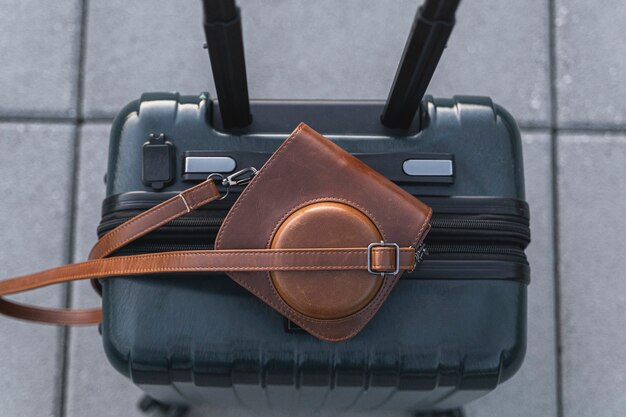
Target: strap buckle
x,y
369,257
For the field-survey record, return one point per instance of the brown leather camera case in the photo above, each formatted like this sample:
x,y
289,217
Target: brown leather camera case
x,y
313,194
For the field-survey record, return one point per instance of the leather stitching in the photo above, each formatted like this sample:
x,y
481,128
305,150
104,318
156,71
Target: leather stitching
x,y
284,307
319,200
121,270
372,306
192,192
185,201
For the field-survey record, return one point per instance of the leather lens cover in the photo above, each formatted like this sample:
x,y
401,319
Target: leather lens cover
x,y
326,224
313,194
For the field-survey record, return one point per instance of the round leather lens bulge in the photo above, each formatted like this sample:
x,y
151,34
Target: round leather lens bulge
x,y
326,294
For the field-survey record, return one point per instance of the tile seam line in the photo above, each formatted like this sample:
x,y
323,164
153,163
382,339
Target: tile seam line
x,y
596,130
556,252
55,120
71,227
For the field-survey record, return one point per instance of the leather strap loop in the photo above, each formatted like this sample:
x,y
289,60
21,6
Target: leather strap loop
x,y
382,259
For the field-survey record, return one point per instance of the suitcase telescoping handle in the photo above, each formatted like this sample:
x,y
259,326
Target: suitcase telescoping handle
x,y
429,34
222,28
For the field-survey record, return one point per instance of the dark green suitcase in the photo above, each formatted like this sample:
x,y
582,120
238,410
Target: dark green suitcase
x,y
450,332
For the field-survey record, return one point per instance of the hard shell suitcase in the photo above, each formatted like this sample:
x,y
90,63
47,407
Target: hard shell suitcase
x,y
450,332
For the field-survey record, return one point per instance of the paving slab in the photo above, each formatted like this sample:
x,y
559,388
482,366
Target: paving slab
x,y
94,388
35,161
591,62
139,46
592,203
532,391
325,49
39,44
500,49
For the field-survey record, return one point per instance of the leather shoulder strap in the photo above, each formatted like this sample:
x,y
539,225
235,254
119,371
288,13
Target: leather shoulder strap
x,y
380,259
138,226
144,223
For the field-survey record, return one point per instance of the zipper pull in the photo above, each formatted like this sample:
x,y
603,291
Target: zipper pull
x,y
420,252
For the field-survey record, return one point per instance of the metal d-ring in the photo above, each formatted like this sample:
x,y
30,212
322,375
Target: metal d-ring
x,y
222,181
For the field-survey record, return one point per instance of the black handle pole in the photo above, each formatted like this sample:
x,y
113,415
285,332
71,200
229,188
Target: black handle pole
x,y
428,37
222,28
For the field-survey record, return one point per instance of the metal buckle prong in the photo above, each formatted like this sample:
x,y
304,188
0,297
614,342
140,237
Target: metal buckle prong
x,y
369,257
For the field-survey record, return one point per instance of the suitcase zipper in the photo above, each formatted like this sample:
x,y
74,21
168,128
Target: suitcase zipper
x,y
463,224
453,249
196,222
475,236
456,226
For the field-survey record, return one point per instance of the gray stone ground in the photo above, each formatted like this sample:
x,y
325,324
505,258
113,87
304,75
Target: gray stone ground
x,y
558,65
